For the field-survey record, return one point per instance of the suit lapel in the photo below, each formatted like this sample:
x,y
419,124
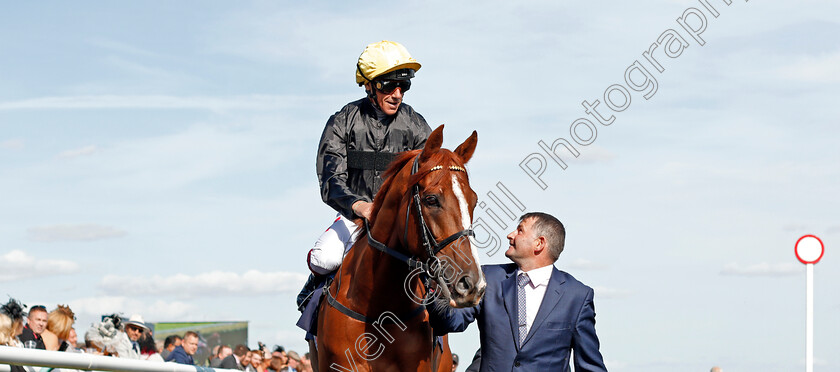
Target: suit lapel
x,y
553,293
509,294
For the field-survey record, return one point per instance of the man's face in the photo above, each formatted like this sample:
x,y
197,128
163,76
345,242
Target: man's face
x,y
225,352
38,321
133,332
522,242
389,102
190,344
293,363
246,359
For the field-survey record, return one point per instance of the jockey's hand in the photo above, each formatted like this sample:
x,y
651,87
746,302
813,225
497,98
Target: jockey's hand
x,y
362,208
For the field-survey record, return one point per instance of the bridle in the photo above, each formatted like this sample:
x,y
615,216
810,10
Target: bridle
x,y
432,271
431,246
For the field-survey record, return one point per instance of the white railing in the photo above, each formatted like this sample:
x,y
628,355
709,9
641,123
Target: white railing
x,y
90,362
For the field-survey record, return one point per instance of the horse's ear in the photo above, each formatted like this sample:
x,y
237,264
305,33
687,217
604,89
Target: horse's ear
x,y
432,144
466,149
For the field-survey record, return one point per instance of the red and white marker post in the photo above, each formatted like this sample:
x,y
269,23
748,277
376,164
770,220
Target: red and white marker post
x,y
809,250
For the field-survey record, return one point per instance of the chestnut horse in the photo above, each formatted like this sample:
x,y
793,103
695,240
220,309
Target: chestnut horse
x,y
415,244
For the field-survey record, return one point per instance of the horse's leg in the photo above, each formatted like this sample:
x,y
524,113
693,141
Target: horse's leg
x,y
313,355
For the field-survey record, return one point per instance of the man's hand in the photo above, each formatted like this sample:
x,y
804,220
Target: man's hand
x,y
362,208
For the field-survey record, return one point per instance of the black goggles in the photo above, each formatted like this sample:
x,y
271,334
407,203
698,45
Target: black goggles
x,y
388,86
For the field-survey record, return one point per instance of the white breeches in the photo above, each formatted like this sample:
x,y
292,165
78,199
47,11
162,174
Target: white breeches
x,y
331,246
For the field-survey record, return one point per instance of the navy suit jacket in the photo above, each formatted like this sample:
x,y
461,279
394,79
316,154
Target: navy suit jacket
x,y
565,321
179,355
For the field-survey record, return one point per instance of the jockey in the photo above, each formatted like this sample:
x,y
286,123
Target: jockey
x,y
358,143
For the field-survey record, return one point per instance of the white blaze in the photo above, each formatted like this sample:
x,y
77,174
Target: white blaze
x,y
466,222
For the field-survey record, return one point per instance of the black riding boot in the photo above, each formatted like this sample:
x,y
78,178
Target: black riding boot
x,y
313,283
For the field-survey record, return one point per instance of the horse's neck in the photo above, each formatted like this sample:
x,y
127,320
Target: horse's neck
x,y
374,281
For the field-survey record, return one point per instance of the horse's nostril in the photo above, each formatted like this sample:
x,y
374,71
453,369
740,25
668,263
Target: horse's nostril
x,y
464,285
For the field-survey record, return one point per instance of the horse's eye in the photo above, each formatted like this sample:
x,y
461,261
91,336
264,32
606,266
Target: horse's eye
x,y
432,201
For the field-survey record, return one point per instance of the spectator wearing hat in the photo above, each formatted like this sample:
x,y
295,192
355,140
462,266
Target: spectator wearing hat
x,y
36,323
134,328
169,344
11,325
184,354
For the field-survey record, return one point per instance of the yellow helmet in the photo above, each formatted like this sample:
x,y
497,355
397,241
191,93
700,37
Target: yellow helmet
x,y
381,58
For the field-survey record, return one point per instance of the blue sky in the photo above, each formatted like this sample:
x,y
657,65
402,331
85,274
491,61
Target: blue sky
x,y
158,158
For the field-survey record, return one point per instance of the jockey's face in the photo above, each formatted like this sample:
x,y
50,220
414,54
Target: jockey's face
x,y
390,102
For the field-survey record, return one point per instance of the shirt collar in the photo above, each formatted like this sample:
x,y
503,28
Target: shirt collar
x,y
538,276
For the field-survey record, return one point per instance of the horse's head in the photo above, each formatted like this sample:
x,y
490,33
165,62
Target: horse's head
x,y
435,213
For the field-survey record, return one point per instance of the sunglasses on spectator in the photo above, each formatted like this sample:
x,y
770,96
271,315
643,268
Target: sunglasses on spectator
x,y
388,86
42,307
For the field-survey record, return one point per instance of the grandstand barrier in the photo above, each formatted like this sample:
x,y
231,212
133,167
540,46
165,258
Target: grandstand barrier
x,y
49,360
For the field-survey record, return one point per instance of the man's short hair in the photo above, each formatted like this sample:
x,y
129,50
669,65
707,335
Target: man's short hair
x,y
221,348
551,228
37,308
170,340
190,334
240,350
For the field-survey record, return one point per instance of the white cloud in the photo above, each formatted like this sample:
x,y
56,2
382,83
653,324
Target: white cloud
x,y
150,311
17,265
12,144
214,283
584,264
87,150
762,269
82,232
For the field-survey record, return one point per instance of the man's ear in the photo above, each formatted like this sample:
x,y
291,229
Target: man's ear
x,y
541,246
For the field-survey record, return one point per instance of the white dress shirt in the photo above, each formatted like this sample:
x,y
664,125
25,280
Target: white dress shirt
x,y
535,291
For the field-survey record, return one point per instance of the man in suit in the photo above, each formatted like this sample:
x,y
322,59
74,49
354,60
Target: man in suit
x,y
36,323
532,315
238,360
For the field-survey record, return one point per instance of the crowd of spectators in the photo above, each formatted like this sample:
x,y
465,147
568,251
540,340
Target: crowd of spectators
x,y
132,339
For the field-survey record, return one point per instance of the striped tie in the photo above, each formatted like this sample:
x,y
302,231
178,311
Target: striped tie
x,y
522,280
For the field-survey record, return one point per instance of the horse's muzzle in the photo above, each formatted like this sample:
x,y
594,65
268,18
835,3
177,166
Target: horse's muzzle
x,y
468,290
